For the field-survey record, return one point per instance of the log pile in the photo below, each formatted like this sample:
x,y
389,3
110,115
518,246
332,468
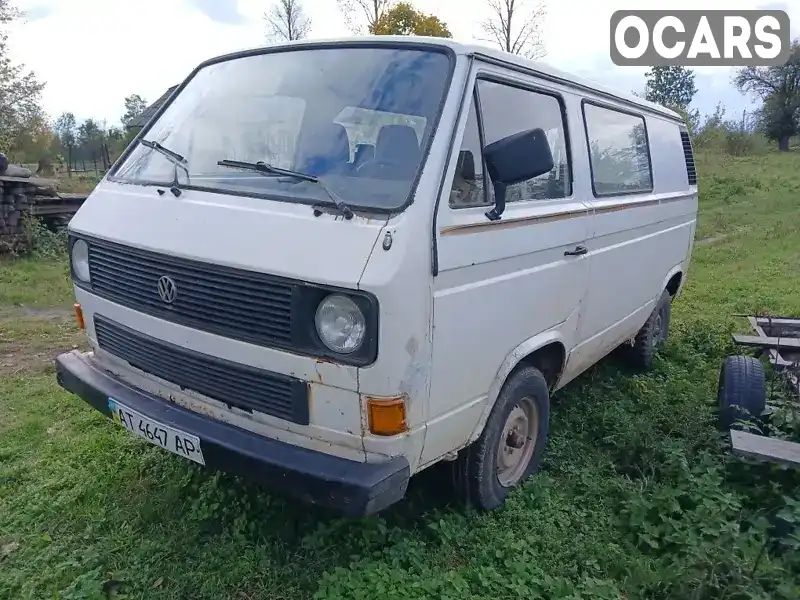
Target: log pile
x,y
23,194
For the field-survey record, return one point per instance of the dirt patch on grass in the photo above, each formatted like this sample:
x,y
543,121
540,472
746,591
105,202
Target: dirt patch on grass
x,y
30,338
17,358
34,313
713,239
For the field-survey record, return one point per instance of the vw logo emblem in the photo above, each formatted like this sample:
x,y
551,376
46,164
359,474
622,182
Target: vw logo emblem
x,y
167,289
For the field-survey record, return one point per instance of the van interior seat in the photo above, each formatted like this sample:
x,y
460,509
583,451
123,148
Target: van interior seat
x,y
465,185
328,150
364,153
397,154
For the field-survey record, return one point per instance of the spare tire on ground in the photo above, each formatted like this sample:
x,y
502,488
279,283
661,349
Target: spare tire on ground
x,y
742,391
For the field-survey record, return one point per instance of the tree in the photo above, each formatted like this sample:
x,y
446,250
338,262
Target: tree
x,y
91,138
115,134
33,142
287,21
357,13
135,105
65,133
20,92
672,87
778,120
779,89
404,19
89,132
515,26
65,129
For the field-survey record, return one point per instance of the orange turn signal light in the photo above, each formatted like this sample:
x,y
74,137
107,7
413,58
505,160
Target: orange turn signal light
x,y
79,316
387,416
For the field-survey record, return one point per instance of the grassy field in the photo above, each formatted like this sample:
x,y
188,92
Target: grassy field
x,y
78,183
637,497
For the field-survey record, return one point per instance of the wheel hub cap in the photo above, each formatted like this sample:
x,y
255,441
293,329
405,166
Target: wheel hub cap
x,y
517,442
658,328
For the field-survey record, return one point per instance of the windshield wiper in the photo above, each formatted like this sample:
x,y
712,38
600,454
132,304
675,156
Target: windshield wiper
x,y
269,170
176,159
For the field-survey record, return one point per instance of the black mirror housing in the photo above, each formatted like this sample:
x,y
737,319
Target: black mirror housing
x,y
519,157
515,159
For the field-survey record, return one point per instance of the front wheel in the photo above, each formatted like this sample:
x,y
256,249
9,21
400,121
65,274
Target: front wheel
x,y
511,445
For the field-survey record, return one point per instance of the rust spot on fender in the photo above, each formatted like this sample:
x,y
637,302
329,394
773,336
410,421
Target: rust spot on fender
x,y
316,369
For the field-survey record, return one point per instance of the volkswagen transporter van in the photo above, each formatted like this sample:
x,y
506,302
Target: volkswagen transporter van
x,y
330,265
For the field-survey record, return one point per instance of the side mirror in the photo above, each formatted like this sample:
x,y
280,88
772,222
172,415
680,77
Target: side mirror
x,y
515,159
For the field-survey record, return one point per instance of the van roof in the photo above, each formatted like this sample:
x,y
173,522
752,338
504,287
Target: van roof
x,y
539,67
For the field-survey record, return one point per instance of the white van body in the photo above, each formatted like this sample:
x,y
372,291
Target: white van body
x,y
460,300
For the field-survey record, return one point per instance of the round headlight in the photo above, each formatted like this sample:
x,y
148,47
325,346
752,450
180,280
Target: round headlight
x,y
340,324
80,260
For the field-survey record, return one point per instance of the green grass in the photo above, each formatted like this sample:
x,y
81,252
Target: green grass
x,y
79,183
35,283
637,497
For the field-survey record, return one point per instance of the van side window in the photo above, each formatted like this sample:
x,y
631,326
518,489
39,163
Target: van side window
x,y
506,110
468,189
618,151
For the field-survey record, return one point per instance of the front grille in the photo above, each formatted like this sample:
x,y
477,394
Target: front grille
x,y
244,305
688,155
233,384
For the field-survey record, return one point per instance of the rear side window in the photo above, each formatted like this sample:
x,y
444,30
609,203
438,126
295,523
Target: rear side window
x,y
688,154
618,151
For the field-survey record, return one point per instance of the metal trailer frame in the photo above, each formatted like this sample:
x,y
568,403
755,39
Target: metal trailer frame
x,y
779,337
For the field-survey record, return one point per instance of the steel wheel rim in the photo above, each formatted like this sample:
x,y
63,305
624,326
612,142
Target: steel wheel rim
x,y
658,328
517,442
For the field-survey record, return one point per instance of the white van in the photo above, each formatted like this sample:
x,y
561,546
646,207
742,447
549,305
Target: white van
x,y
330,265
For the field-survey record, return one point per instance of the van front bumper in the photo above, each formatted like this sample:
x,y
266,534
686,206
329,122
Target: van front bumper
x,y
349,487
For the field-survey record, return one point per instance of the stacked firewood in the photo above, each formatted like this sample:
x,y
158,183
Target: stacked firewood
x,y
22,194
13,204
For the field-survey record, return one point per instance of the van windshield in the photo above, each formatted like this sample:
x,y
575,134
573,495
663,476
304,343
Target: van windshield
x,y
360,118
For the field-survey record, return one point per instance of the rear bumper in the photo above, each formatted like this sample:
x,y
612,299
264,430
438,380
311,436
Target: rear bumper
x,y
349,487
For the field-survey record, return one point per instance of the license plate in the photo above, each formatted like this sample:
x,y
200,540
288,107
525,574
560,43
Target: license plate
x,y
176,441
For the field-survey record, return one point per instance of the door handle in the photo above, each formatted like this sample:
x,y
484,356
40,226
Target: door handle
x,y
579,250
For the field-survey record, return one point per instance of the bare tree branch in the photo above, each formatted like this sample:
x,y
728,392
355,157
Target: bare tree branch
x,y
756,80
515,26
779,89
361,16
287,21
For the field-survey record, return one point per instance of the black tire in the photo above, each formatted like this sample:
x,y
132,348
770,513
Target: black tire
x,y
653,334
477,481
741,392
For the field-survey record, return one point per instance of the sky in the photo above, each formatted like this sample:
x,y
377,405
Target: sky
x,y
94,53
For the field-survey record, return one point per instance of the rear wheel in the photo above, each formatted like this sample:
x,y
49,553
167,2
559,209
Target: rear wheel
x,y
511,445
652,335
